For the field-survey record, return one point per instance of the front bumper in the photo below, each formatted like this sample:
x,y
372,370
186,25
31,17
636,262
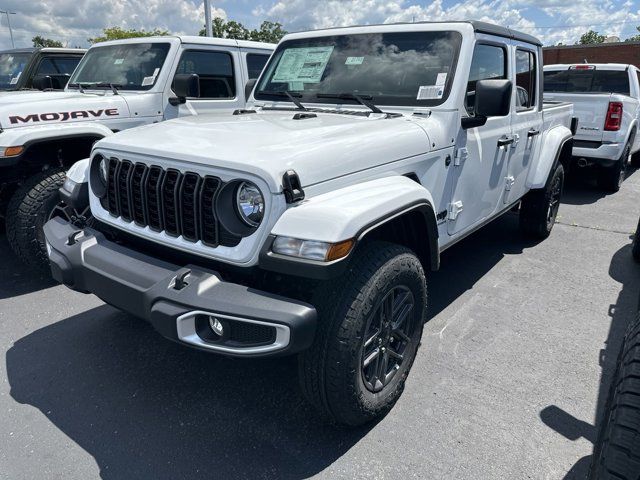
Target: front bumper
x,y
256,323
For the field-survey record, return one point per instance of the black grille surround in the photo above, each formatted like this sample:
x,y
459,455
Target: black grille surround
x,y
167,200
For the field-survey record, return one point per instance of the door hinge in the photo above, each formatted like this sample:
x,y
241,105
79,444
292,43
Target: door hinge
x,y
461,156
508,183
454,209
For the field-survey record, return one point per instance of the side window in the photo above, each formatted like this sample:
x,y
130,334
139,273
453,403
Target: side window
x,y
489,62
638,75
57,65
215,70
525,79
255,64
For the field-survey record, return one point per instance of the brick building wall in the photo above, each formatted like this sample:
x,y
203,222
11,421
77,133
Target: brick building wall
x,y
621,52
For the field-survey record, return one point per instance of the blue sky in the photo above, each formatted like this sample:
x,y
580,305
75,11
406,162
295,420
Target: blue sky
x,y
73,21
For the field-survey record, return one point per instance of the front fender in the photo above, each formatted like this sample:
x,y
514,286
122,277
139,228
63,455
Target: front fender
x,y
26,136
551,143
348,212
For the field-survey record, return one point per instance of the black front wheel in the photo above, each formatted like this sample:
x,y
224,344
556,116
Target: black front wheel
x,y
369,329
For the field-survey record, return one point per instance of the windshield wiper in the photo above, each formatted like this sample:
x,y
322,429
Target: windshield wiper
x,y
361,99
78,86
290,95
113,86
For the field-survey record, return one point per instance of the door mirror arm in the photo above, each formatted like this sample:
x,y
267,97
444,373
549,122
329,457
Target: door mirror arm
x,y
473,122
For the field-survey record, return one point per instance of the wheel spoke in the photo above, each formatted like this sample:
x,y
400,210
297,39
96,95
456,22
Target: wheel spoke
x,y
399,333
394,354
371,357
371,339
382,367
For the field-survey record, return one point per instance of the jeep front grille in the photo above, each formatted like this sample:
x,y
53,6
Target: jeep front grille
x,y
180,204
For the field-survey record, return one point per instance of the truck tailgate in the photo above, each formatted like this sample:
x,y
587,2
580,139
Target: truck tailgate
x,y
590,109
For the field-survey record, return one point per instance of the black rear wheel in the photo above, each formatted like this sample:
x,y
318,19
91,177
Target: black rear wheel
x,y
611,178
539,208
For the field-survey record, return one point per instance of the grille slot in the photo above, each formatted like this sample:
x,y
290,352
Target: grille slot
x,y
180,204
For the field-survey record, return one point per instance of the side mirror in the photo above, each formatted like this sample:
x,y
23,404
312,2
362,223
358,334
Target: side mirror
x,y
248,88
492,99
42,82
185,86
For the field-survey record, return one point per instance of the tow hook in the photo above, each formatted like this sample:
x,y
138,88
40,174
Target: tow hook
x,y
181,279
72,238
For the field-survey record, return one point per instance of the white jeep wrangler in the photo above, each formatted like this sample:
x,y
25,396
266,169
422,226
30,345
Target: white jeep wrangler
x,y
117,85
306,224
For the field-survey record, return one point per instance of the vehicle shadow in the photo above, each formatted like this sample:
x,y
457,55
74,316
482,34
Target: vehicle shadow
x,y
624,270
581,187
145,407
15,277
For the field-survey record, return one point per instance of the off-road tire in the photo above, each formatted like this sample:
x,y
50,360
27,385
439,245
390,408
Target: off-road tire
x,y
635,246
29,209
611,178
617,451
539,208
330,371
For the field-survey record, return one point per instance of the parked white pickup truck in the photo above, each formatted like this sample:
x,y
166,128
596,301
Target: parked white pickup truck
x,y
305,224
117,85
606,101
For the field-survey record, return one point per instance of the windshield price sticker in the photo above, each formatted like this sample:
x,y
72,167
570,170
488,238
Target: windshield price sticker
x,y
146,81
430,92
302,65
441,79
354,61
118,61
15,79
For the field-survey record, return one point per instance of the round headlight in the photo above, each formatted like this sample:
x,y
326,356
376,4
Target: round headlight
x,y
103,170
250,204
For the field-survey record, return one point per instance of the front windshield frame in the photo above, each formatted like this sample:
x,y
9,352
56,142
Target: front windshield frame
x,y
14,76
455,37
147,79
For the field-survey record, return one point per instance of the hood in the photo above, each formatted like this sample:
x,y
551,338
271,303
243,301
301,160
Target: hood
x,y
269,143
41,108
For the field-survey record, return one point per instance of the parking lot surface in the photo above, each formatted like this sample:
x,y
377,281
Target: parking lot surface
x,y
509,383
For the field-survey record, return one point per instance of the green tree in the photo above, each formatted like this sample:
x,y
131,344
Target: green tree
x,y
270,32
591,37
634,38
118,33
39,41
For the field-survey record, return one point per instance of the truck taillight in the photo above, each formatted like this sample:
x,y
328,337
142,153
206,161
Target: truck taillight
x,y
614,117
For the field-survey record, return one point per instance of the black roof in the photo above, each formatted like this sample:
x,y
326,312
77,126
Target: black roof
x,y
491,29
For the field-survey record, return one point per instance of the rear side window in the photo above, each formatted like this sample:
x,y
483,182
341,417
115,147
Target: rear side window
x,y
215,70
489,62
525,79
255,64
58,65
587,81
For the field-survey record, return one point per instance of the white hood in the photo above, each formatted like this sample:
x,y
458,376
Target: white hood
x,y
42,108
269,143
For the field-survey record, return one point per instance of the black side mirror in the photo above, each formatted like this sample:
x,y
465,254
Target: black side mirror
x,y
492,99
42,82
248,88
185,86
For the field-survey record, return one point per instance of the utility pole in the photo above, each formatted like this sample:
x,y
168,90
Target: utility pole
x,y
207,19
7,12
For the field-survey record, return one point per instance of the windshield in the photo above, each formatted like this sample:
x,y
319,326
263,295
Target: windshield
x,y
587,81
408,68
129,66
11,67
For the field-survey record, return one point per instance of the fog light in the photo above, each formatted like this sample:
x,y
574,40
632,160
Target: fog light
x,y
216,326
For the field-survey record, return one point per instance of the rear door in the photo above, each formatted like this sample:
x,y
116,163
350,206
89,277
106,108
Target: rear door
x,y
526,118
221,79
482,155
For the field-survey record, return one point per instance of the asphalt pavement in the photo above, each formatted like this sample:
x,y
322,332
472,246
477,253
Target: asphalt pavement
x,y
509,382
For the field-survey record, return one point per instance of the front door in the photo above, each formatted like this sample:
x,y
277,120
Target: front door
x,y
526,120
482,155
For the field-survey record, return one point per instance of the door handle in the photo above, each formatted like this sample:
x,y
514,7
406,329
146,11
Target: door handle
x,y
533,132
505,140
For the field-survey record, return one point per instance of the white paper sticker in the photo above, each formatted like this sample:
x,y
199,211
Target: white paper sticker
x,y
118,61
441,78
430,92
148,81
302,64
354,61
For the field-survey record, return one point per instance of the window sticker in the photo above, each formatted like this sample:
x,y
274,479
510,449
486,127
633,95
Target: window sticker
x,y
441,79
15,79
430,92
146,81
354,61
302,64
118,61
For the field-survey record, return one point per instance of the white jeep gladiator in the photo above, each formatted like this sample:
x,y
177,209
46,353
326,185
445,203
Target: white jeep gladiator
x,y
606,101
117,85
305,224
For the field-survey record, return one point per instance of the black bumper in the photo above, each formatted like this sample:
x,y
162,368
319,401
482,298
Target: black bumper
x,y
258,323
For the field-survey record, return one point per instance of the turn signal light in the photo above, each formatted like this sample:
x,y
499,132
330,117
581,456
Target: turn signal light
x,y
13,151
339,250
